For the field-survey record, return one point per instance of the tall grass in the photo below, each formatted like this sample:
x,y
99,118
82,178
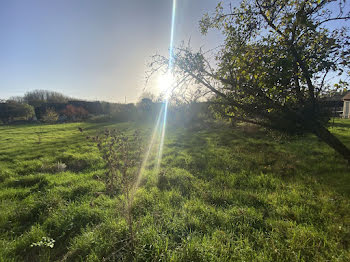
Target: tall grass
x,y
222,194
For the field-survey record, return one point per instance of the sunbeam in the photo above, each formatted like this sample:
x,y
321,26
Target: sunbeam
x,y
149,149
161,144
165,82
171,47
168,85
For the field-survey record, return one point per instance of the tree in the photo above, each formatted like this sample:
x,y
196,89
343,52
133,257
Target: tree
x,y
38,97
50,116
11,110
18,99
275,63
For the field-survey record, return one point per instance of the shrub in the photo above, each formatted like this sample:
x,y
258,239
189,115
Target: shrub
x,y
13,110
75,113
122,155
50,116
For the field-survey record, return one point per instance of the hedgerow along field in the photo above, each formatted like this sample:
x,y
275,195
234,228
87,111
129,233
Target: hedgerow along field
x,y
222,194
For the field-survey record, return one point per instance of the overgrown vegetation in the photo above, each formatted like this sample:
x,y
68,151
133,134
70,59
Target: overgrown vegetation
x,y
50,116
122,155
277,60
222,194
13,110
55,109
212,190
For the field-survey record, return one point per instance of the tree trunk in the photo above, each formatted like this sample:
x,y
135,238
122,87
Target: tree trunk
x,y
331,140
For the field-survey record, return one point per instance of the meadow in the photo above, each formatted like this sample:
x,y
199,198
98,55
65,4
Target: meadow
x,y
222,194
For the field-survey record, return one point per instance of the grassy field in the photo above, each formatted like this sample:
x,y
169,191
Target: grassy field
x,y
224,194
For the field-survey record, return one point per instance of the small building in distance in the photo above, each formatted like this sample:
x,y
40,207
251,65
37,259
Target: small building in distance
x,y
346,105
338,104
334,104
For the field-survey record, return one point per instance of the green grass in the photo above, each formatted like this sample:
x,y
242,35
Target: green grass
x,y
223,194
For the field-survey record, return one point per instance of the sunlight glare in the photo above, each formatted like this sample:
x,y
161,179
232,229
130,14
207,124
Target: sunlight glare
x,y
165,84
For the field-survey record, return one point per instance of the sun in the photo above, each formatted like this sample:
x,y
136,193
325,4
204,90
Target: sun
x,y
165,84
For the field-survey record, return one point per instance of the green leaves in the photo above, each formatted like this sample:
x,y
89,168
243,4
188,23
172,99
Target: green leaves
x,y
121,154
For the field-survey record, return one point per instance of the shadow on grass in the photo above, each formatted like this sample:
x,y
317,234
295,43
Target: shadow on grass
x,y
291,159
343,123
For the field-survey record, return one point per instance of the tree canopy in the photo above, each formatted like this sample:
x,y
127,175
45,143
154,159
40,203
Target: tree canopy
x,y
11,110
275,63
38,97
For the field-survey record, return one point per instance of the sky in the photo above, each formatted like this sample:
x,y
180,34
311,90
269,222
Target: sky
x,y
91,49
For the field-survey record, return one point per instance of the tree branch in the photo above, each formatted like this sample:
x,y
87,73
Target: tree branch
x,y
333,19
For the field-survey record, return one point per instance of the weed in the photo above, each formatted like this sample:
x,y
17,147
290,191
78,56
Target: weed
x,y
54,168
44,242
39,135
122,155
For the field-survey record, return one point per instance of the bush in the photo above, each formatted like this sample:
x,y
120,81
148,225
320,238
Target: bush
x,y
12,110
75,113
50,116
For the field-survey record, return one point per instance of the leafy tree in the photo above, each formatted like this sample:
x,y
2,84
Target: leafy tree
x,y
10,110
50,116
275,63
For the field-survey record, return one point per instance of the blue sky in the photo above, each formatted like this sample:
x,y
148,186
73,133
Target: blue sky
x,y
90,49
93,49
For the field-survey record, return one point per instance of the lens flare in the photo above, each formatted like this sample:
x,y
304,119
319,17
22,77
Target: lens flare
x,y
161,144
149,150
165,84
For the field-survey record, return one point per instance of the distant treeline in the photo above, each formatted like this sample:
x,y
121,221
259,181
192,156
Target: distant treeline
x,y
51,107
